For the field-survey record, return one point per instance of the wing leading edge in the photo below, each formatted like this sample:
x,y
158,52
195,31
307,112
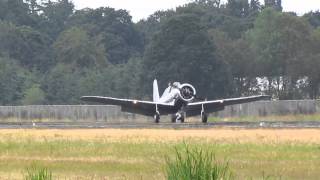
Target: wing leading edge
x,y
195,108
147,108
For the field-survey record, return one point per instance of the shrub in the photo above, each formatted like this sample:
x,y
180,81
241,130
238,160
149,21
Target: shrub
x,y
35,173
194,163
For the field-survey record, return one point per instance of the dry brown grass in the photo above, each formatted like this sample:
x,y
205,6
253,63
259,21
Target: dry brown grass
x,y
163,135
138,153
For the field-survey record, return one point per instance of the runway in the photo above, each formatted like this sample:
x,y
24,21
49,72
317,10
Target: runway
x,y
104,125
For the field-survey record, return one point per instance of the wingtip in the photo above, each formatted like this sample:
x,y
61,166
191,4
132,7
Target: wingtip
x,y
84,98
266,97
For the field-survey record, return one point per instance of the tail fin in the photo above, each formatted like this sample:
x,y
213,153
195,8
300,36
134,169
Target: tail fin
x,y
155,91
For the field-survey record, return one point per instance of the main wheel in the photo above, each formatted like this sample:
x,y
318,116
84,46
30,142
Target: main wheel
x,y
204,117
179,117
182,118
173,118
156,118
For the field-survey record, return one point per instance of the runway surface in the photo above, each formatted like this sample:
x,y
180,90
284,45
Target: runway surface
x,y
103,125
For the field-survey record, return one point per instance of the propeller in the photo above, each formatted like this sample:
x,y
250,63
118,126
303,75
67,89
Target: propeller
x,y
187,92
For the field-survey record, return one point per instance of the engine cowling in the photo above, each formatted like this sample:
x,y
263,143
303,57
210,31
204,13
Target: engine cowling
x,y
187,92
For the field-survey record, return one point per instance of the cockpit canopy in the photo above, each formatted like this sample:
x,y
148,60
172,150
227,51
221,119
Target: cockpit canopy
x,y
176,84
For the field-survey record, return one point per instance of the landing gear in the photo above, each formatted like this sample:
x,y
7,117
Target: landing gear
x,y
157,117
178,117
173,118
204,117
181,119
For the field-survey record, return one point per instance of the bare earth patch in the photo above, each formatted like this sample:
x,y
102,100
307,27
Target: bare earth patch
x,y
161,135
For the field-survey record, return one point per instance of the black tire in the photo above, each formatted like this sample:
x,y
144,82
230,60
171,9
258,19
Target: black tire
x,y
182,118
173,118
204,117
156,118
178,117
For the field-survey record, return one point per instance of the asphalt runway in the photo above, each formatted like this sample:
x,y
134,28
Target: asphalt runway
x,y
103,125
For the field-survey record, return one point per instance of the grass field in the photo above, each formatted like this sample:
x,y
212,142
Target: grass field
x,y
140,154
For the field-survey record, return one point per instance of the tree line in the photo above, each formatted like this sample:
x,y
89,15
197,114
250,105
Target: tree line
x,y
51,53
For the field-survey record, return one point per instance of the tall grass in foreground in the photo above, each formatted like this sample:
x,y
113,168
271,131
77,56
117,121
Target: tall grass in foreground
x,y
194,163
35,173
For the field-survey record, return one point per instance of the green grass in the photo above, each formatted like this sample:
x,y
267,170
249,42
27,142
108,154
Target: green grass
x,y
194,163
299,117
98,159
38,173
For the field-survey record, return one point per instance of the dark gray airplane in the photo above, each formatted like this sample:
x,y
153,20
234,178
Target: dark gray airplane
x,y
177,100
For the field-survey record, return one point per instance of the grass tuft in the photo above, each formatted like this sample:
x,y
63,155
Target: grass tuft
x,y
194,163
35,173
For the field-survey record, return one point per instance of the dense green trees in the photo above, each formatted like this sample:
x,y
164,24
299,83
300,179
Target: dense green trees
x,y
281,42
312,64
54,16
115,30
313,18
12,81
51,53
76,49
183,46
24,44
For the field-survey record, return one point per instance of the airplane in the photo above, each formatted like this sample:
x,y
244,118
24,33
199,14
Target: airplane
x,y
177,99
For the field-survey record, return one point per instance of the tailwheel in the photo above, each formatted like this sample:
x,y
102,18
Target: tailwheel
x,y
156,117
204,117
178,117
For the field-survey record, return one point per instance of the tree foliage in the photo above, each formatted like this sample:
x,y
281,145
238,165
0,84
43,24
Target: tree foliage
x,y
34,96
114,27
51,53
183,46
281,43
25,44
74,47
55,15
12,82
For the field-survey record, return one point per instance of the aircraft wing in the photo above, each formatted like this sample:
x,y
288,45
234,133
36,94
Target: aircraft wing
x,y
147,108
195,108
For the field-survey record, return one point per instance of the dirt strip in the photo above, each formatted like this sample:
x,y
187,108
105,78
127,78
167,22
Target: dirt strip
x,y
239,135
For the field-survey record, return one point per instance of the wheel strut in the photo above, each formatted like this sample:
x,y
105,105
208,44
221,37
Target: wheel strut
x,y
204,116
157,115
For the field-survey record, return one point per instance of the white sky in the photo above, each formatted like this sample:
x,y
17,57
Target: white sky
x,y
140,9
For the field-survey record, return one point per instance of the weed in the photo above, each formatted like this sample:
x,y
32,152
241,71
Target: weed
x,y
194,163
35,173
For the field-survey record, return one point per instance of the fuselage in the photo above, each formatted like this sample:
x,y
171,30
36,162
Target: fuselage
x,y
178,94
169,95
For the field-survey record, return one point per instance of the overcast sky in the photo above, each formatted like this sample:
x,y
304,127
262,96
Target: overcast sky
x,y
143,8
